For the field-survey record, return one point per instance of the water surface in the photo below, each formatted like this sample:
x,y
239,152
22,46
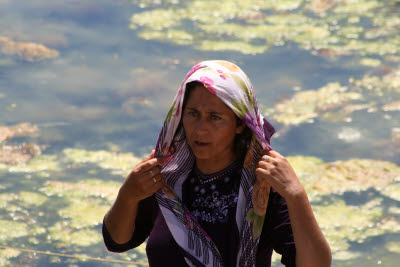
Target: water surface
x,y
97,79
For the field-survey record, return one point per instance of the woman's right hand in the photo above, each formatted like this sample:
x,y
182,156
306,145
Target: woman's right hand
x,y
143,181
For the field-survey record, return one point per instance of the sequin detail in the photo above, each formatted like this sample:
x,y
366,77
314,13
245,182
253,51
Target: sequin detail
x,y
207,178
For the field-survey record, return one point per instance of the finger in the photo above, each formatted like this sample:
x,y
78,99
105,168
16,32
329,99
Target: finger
x,y
153,171
147,165
148,180
265,158
157,182
265,164
161,160
147,183
268,158
150,156
274,154
261,173
154,179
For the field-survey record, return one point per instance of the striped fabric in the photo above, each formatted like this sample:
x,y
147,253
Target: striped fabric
x,y
233,87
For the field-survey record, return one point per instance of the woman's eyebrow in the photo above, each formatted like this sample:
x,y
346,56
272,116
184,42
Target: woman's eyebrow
x,y
208,111
215,112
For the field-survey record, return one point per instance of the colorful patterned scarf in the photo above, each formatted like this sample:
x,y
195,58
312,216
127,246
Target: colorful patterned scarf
x,y
233,87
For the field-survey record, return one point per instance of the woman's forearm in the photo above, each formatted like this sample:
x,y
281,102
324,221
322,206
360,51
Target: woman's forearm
x,y
120,219
143,181
312,249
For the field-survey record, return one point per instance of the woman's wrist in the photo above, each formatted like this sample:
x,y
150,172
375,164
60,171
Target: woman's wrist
x,y
295,194
126,197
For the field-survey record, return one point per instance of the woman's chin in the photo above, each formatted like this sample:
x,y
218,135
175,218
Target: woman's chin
x,y
201,155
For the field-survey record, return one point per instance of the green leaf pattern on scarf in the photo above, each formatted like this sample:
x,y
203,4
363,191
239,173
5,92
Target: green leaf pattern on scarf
x,y
178,207
170,112
257,221
239,107
242,85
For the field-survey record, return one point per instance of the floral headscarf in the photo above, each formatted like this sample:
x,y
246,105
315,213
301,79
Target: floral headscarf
x,y
228,82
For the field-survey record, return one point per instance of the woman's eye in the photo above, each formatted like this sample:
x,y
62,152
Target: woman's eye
x,y
214,117
192,113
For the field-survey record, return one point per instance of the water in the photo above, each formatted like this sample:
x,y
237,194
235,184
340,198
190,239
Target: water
x,y
108,89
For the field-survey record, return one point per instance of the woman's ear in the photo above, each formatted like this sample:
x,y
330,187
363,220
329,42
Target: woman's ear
x,y
240,125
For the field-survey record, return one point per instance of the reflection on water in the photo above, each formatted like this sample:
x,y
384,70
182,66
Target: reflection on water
x,y
85,87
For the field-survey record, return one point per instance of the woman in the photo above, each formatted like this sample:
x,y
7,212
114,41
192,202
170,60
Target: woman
x,y
214,193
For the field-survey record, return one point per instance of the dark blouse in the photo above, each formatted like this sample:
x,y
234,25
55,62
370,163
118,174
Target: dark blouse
x,y
213,203
212,200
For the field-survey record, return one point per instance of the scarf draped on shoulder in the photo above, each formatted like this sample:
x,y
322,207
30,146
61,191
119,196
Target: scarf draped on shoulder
x,y
228,82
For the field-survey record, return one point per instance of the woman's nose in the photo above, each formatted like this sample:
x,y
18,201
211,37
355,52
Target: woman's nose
x,y
202,125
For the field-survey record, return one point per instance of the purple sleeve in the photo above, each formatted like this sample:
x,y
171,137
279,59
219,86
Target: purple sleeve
x,y
143,226
277,233
282,234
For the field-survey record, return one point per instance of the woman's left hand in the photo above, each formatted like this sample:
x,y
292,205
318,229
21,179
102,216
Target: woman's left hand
x,y
312,249
278,172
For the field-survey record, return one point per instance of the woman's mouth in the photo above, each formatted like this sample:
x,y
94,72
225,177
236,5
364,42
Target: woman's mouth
x,y
201,144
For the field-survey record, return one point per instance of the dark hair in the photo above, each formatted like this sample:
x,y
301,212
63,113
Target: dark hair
x,y
241,142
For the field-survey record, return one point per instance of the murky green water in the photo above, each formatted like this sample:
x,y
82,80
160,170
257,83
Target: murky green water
x,y
85,86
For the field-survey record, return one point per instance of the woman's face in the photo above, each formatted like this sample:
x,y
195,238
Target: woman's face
x,y
210,128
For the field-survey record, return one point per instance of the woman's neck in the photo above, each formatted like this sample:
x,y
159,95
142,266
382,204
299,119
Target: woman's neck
x,y
207,166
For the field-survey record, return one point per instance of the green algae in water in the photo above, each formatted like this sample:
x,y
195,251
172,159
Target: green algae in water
x,y
22,129
346,255
6,254
14,154
157,19
84,212
119,163
275,259
24,157
343,224
233,46
321,178
370,62
393,190
179,37
83,189
86,202
31,198
26,50
9,253
304,166
306,105
12,229
379,85
327,31
335,102
42,163
63,236
392,106
393,247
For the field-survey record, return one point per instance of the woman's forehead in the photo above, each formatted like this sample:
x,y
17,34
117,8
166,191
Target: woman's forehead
x,y
202,99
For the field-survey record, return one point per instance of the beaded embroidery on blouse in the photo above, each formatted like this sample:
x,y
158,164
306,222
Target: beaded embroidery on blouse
x,y
206,178
214,196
